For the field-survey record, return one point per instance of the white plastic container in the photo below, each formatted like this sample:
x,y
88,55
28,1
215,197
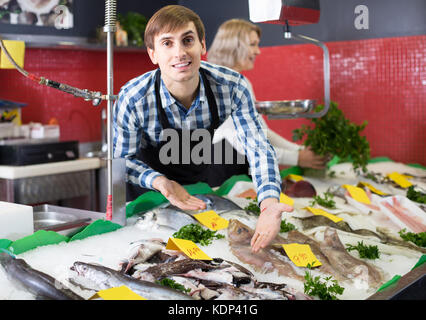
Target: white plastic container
x,y
6,130
16,220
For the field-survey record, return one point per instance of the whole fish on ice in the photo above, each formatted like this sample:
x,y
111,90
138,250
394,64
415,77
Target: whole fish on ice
x,y
171,217
346,264
38,283
266,260
102,278
386,238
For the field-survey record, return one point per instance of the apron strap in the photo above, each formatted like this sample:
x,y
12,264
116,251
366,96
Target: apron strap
x,y
210,99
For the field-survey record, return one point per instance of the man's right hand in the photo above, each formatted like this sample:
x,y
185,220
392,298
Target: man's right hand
x,y
177,195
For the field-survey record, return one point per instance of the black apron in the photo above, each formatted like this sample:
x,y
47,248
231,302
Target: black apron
x,y
214,174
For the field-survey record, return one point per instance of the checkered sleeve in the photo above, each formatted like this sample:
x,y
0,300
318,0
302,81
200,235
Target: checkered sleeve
x,y
260,153
127,128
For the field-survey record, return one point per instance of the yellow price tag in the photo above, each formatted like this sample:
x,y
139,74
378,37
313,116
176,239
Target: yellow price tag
x,y
286,199
301,255
372,189
117,293
188,247
399,179
17,51
320,212
212,220
295,177
357,193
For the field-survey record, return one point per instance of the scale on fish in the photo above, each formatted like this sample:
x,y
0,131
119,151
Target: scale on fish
x,y
42,285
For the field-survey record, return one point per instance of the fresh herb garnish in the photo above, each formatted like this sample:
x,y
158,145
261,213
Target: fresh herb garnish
x,y
253,207
416,196
321,289
366,252
418,239
286,226
336,135
197,234
327,201
172,284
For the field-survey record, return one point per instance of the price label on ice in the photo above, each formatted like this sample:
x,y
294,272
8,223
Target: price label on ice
x,y
399,179
301,255
295,177
357,193
286,199
117,293
372,189
212,220
320,212
188,247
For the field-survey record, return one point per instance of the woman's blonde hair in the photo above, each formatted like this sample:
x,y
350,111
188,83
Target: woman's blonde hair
x,y
231,43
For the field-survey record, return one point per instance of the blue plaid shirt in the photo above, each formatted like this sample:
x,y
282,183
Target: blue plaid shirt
x,y
136,124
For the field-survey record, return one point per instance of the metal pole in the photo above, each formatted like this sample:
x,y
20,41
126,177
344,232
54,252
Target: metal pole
x,y
116,201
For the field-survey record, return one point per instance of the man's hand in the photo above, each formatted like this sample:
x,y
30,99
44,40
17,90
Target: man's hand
x,y
308,159
177,195
269,223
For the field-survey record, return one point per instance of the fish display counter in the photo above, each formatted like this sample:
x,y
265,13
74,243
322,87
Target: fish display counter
x,y
362,249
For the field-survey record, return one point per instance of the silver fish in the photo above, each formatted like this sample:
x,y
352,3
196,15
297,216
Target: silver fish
x,y
171,217
42,285
213,202
104,278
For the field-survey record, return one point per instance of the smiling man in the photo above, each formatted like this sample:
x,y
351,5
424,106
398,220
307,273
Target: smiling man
x,y
186,94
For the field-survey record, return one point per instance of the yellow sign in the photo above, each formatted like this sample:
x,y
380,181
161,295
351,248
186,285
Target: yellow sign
x,y
357,193
117,293
188,247
286,199
212,220
301,255
320,212
399,179
294,177
16,50
372,189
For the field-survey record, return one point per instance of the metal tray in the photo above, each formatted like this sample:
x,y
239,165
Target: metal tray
x,y
65,221
285,107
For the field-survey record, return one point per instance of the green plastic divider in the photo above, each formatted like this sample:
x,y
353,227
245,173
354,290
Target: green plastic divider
x,y
416,165
152,199
396,278
229,184
420,262
38,238
390,283
5,243
95,228
292,170
380,159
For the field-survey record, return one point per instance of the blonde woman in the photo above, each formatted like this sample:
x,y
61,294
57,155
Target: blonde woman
x,y
236,46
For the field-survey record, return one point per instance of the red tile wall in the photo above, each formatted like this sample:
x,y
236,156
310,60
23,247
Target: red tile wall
x,y
84,69
382,81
